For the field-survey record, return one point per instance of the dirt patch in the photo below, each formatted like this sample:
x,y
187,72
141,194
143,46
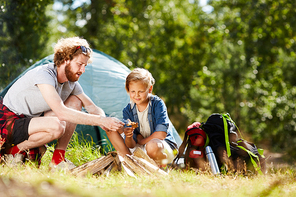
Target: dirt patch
x,y
11,187
275,160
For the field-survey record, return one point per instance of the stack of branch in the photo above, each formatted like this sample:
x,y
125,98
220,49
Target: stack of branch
x,y
102,165
141,164
137,164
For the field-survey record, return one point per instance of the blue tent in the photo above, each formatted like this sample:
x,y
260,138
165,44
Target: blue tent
x,y
104,82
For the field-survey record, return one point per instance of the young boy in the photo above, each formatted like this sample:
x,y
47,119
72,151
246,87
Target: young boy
x,y
153,134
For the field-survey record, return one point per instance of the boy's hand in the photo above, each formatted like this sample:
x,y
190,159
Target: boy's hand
x,y
129,123
128,131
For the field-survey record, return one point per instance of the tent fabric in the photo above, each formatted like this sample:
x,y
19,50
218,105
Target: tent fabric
x,y
104,82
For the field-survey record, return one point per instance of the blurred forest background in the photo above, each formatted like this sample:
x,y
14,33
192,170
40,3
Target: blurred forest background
x,y
235,56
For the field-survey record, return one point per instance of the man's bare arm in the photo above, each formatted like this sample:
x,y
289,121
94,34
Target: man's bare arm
x,y
67,114
89,105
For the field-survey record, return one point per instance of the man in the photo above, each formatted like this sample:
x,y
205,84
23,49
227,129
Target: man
x,y
45,104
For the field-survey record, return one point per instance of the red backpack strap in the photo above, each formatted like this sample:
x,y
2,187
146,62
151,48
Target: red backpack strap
x,y
183,145
181,149
185,140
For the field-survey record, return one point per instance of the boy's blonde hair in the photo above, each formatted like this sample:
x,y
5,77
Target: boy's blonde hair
x,y
139,74
66,49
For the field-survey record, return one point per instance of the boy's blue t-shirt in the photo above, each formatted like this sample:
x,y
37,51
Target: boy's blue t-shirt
x,y
157,116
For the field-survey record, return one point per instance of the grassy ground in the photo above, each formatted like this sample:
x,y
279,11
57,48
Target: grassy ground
x,y
28,180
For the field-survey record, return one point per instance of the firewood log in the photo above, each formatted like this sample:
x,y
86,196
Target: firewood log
x,y
150,167
93,166
141,154
127,169
109,169
135,166
101,165
86,165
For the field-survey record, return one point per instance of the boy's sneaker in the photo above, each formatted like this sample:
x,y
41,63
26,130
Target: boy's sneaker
x,y
11,161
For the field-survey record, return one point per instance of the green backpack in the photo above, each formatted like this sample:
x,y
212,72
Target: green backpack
x,y
230,150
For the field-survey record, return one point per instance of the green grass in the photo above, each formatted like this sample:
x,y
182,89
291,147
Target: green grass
x,y
28,180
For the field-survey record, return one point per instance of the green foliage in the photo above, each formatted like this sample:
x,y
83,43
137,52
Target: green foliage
x,y
79,151
23,34
249,70
266,93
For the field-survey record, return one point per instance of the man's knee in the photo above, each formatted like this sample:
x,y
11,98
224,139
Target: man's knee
x,y
58,128
73,102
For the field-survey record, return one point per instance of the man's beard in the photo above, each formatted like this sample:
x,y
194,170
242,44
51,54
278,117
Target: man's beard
x,y
71,76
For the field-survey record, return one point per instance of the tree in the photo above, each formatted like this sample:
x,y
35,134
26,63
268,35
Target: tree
x,y
23,35
249,73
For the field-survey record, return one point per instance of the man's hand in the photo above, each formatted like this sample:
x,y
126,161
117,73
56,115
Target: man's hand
x,y
111,124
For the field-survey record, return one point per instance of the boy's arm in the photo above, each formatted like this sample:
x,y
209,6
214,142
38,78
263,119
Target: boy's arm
x,y
128,131
157,134
130,142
